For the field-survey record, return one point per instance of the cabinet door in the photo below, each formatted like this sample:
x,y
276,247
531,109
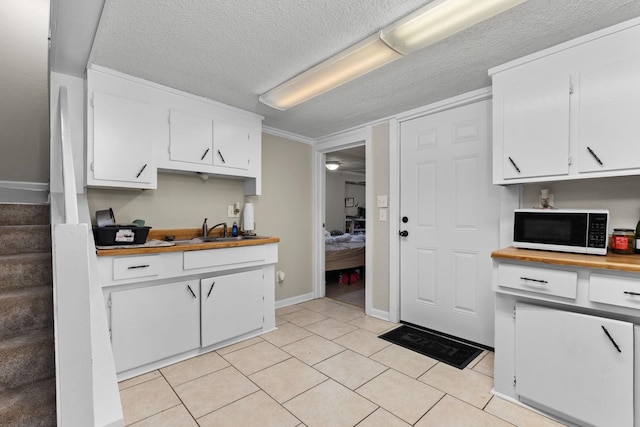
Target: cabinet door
x,y
577,365
609,125
535,120
122,144
231,305
191,138
155,322
231,144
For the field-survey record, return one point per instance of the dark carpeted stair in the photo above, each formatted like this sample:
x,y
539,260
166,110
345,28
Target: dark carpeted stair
x,y
27,356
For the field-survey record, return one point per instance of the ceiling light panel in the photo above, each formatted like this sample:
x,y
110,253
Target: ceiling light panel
x,y
439,20
360,59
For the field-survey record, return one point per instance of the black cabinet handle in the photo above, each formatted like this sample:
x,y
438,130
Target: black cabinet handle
x,y
611,338
205,153
138,266
221,158
514,164
595,156
190,290
631,293
533,280
210,289
140,173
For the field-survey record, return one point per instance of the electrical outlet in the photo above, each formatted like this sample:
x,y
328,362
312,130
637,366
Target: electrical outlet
x,y
382,201
231,212
383,214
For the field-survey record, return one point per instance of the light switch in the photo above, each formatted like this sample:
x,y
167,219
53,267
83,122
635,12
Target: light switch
x,y
382,201
383,214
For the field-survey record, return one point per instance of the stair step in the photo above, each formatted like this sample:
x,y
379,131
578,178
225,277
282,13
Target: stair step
x,y
26,358
25,309
24,214
33,405
19,239
25,270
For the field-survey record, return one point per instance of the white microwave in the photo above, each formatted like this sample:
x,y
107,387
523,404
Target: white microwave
x,y
581,231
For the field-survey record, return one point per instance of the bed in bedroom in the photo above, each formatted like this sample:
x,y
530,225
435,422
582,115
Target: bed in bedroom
x,y
344,252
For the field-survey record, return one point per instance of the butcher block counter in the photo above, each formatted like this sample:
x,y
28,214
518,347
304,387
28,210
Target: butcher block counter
x,y
181,243
611,261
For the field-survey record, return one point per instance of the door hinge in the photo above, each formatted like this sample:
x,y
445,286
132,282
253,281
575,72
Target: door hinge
x,y
570,86
569,160
110,334
514,312
91,166
514,380
109,302
93,101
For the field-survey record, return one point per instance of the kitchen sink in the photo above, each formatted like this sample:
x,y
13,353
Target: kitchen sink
x,y
213,239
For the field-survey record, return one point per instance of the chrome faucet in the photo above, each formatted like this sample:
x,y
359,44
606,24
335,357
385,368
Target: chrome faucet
x,y
206,230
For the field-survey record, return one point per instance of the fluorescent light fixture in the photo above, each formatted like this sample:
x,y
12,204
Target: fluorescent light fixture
x,y
359,59
439,20
332,165
429,24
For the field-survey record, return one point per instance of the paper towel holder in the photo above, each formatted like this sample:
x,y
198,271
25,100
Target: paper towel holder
x,y
248,223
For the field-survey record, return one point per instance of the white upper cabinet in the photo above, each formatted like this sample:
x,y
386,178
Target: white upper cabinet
x,y
191,138
145,123
570,111
535,122
121,153
609,110
232,145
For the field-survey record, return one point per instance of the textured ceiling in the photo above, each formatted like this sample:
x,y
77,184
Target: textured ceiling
x,y
233,51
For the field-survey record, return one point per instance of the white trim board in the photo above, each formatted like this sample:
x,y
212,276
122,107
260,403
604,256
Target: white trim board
x,y
294,300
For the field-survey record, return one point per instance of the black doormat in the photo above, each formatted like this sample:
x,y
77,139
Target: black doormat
x,y
437,347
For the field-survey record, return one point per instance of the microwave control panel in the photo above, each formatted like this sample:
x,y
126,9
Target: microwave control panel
x,y
597,235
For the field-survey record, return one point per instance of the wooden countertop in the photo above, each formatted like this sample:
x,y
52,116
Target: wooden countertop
x,y
185,234
611,261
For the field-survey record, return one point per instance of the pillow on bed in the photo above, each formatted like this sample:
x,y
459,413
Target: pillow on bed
x,y
343,238
358,238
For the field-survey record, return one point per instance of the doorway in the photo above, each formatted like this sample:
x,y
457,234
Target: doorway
x,y
345,225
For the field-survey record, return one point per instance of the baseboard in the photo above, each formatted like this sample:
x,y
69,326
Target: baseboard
x,y
24,192
294,300
379,314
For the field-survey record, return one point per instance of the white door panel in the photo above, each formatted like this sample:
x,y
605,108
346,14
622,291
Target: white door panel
x,y
452,207
578,365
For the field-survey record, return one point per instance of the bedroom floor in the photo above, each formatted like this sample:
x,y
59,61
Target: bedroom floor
x,y
351,294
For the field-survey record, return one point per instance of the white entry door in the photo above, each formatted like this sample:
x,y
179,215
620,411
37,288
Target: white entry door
x,y
450,210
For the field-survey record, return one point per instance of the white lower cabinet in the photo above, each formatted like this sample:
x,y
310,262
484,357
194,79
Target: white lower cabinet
x,y
576,365
231,306
154,322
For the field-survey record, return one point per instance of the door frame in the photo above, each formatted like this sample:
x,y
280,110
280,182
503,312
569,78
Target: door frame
x,y
394,183
336,142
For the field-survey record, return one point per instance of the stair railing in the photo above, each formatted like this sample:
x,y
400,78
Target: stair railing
x,y
86,385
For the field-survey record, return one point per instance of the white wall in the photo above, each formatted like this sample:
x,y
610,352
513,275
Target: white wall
x,y
24,99
284,210
621,195
181,201
376,229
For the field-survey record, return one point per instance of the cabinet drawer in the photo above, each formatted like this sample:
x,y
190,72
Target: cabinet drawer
x,y
621,291
225,256
546,281
135,266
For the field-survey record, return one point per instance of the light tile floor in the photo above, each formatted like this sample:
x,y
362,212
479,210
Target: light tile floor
x,y
324,366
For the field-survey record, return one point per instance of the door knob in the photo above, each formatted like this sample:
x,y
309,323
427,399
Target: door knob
x,y
404,233
405,219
